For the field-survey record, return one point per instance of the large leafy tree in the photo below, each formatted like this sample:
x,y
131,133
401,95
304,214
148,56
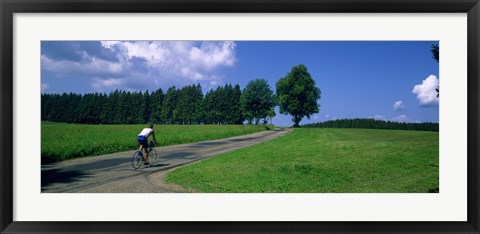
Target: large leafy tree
x,y
297,94
257,100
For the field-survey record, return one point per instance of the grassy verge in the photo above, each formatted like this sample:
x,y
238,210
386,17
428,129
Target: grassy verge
x,y
61,141
323,160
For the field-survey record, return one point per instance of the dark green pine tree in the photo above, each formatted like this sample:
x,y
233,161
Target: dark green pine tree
x,y
121,108
207,107
219,105
231,106
169,104
141,105
104,109
45,106
237,113
115,111
156,102
147,107
197,113
130,108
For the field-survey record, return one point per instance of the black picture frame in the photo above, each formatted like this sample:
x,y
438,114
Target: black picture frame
x,y
9,7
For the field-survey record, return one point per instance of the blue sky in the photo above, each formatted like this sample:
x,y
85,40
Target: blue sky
x,y
386,80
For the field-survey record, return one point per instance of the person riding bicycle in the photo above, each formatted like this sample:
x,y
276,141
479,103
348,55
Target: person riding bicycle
x,y
143,142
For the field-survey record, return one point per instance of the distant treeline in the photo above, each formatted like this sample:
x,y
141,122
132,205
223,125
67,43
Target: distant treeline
x,y
374,124
187,105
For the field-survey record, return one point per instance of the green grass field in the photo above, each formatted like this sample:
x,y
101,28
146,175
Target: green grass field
x,y
323,161
60,141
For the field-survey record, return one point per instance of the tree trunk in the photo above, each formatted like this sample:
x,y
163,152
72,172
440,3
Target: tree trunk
x,y
296,119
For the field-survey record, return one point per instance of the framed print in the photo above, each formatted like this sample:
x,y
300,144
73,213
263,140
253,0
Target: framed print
x,y
346,132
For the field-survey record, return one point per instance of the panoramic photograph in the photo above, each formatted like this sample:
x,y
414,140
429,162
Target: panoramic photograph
x,y
240,116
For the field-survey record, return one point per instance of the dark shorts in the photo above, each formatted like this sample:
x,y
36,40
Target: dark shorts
x,y
143,141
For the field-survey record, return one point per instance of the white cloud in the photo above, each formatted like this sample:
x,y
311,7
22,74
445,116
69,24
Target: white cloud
x,y
194,62
45,86
401,118
398,106
109,44
154,53
211,54
108,84
140,65
330,117
213,83
89,65
377,117
426,92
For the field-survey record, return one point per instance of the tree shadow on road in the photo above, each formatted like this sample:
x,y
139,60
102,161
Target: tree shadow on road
x,y
203,144
244,139
160,165
106,163
57,176
179,155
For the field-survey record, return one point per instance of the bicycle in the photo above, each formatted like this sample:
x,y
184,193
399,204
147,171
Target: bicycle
x,y
137,158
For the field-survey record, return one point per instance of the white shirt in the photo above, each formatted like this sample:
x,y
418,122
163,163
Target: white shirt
x,y
146,132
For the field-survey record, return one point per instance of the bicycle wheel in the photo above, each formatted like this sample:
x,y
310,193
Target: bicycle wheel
x,y
137,159
152,156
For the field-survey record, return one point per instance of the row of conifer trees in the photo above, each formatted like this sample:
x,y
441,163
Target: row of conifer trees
x,y
374,124
187,105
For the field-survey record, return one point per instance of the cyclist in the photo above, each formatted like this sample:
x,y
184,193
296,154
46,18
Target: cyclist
x,y
143,142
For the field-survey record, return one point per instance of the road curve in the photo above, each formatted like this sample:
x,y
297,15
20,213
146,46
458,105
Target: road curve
x,y
113,173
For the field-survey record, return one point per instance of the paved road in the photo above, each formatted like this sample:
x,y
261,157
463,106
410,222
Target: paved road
x,y
113,173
